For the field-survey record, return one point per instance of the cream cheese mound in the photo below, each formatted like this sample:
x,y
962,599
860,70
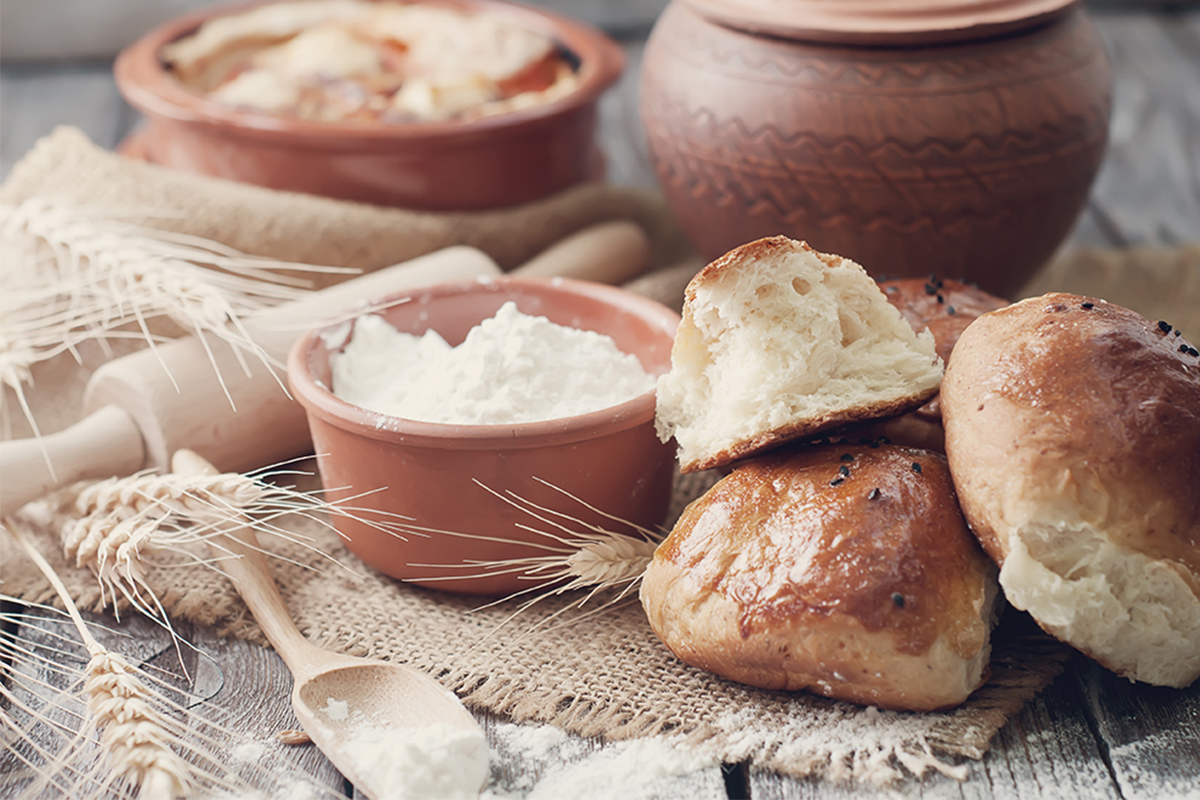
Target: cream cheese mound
x,y
511,368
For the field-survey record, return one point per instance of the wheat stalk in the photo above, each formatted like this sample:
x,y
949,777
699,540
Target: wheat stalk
x,y
594,561
131,729
579,554
123,520
121,524
119,708
76,274
148,745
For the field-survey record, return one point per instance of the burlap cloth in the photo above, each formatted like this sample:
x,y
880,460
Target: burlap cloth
x,y
595,674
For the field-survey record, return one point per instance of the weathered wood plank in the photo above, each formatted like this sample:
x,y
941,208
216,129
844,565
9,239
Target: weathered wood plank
x,y
1149,185
1151,734
239,690
1046,751
34,100
252,705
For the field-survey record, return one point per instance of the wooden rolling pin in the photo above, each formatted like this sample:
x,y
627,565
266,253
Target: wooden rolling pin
x,y
141,408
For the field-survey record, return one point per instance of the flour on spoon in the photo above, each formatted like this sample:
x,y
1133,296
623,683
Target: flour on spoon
x,y
427,762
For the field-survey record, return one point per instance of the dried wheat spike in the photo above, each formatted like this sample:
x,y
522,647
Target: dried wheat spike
x,y
610,561
177,493
121,520
118,517
131,729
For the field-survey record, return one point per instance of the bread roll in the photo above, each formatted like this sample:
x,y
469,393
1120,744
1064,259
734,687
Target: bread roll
x,y
846,570
944,308
1073,433
780,342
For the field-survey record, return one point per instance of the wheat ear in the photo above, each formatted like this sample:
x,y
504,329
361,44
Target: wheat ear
x,y
578,554
122,520
118,706
121,524
74,274
53,748
592,561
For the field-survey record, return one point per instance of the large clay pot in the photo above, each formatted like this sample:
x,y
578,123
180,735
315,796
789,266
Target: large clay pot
x,y
965,149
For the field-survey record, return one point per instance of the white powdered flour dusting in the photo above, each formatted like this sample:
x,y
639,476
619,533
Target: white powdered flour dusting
x,y
511,368
336,709
432,762
636,769
528,741
248,750
627,770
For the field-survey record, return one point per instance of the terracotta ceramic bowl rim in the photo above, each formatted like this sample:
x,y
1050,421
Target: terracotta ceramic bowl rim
x,y
147,84
320,401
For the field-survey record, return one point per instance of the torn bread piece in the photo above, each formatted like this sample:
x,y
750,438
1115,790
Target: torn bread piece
x,y
780,342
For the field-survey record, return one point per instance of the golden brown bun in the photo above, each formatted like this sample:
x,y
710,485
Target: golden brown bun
x,y
944,307
1073,434
843,569
779,342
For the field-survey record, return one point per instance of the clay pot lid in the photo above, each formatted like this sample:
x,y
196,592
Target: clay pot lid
x,y
897,22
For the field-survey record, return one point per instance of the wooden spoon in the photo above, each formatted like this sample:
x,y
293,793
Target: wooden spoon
x,y
385,695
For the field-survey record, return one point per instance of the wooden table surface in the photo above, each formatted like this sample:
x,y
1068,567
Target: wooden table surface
x,y
1090,735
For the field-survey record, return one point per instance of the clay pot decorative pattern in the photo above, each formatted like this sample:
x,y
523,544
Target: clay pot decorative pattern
x,y
969,159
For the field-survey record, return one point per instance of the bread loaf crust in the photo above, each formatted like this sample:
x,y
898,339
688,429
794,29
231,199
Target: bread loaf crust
x,y
847,570
945,308
1073,434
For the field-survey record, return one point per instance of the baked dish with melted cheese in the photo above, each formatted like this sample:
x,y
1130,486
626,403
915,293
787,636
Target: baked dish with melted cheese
x,y
358,61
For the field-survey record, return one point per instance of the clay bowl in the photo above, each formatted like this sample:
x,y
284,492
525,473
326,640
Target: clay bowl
x,y
485,163
596,468
913,141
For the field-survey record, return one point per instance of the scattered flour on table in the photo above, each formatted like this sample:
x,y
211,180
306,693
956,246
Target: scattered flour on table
x,y
635,769
443,762
511,368
248,750
393,762
528,741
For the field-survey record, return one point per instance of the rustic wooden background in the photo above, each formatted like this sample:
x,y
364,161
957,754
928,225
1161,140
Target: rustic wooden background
x,y
1091,735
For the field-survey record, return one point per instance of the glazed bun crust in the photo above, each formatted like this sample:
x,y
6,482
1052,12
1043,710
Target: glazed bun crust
x,y
792,574
1073,434
944,307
